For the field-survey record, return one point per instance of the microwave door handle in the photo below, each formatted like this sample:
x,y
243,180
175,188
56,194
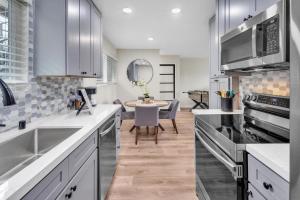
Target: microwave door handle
x,y
254,38
228,164
102,134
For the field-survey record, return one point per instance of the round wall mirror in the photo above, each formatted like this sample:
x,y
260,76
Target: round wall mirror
x,y
140,70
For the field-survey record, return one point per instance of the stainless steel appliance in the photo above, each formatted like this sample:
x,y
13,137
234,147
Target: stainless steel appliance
x,y
260,43
295,96
221,141
107,156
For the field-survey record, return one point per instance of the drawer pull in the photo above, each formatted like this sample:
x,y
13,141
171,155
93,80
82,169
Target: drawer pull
x,y
74,188
267,186
68,196
250,194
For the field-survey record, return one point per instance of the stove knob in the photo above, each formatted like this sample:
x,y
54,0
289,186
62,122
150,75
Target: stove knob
x,y
254,98
248,97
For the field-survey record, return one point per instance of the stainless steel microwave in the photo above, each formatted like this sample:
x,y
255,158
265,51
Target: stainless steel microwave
x,y
259,43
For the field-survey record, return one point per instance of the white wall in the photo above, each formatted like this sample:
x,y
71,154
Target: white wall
x,y
125,91
109,49
194,75
106,93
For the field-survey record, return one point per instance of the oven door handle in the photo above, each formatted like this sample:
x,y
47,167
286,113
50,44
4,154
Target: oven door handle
x,y
102,134
254,38
233,168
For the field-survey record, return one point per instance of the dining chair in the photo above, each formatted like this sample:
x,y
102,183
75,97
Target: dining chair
x,y
146,116
125,115
170,113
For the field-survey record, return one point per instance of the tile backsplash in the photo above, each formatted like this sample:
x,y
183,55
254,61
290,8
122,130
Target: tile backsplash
x,y
273,83
41,97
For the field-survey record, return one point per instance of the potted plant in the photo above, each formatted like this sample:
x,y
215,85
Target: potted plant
x,y
144,87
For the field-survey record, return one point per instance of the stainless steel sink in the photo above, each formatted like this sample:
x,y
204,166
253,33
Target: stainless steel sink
x,y
20,151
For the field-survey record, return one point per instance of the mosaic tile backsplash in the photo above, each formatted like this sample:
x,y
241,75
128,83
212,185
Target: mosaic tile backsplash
x,y
41,97
273,83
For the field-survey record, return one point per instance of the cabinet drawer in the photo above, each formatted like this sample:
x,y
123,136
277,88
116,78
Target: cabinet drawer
x,y
81,154
83,185
267,182
51,185
253,194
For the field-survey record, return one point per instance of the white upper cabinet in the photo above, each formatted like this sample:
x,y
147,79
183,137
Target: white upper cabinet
x,y
73,37
239,11
68,38
262,5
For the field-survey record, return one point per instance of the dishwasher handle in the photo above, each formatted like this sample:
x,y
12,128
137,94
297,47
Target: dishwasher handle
x,y
103,133
236,170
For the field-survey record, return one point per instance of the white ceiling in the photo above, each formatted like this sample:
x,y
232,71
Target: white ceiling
x,y
185,34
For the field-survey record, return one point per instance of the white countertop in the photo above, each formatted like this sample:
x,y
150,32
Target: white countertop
x,y
215,112
17,186
274,156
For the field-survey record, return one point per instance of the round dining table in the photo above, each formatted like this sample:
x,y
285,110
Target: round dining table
x,y
135,103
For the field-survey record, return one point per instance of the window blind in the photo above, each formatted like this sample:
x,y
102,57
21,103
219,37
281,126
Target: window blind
x,y
14,34
109,68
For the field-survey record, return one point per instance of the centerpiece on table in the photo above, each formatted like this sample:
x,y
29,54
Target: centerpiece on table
x,y
144,87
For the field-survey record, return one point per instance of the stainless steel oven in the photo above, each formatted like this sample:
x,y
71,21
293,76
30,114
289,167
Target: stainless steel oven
x,y
217,176
221,139
107,156
259,43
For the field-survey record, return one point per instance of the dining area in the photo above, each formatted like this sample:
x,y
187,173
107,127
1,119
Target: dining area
x,y
146,115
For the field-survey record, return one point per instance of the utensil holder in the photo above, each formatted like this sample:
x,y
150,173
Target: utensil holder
x,y
227,104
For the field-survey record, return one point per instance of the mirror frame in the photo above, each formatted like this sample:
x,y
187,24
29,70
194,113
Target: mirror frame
x,y
152,70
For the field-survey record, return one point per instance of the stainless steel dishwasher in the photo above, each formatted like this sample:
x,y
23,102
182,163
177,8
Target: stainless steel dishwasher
x,y
107,155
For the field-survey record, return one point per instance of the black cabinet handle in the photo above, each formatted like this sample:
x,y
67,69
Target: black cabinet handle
x,y
250,16
267,186
68,196
245,19
95,74
74,188
250,194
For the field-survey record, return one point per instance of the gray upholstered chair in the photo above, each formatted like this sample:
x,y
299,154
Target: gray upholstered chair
x,y
170,113
146,116
125,115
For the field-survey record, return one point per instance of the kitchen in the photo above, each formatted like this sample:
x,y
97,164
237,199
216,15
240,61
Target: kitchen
x,y
74,92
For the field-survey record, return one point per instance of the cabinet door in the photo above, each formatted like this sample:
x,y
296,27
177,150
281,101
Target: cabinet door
x,y
238,11
222,17
85,37
214,99
262,5
214,51
72,51
84,184
97,40
51,185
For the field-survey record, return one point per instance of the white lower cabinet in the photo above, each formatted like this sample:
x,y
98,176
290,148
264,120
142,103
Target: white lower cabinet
x,y
253,194
269,184
84,183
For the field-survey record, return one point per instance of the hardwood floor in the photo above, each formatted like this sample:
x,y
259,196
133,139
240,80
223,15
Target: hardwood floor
x,y
157,172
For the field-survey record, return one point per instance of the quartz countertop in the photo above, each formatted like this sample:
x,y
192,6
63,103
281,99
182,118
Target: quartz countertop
x,y
215,112
274,156
18,185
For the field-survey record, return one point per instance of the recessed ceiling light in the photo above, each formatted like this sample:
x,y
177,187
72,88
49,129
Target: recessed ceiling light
x,y
176,10
150,38
127,10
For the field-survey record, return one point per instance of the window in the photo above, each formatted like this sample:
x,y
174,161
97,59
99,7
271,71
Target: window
x,y
109,69
14,34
